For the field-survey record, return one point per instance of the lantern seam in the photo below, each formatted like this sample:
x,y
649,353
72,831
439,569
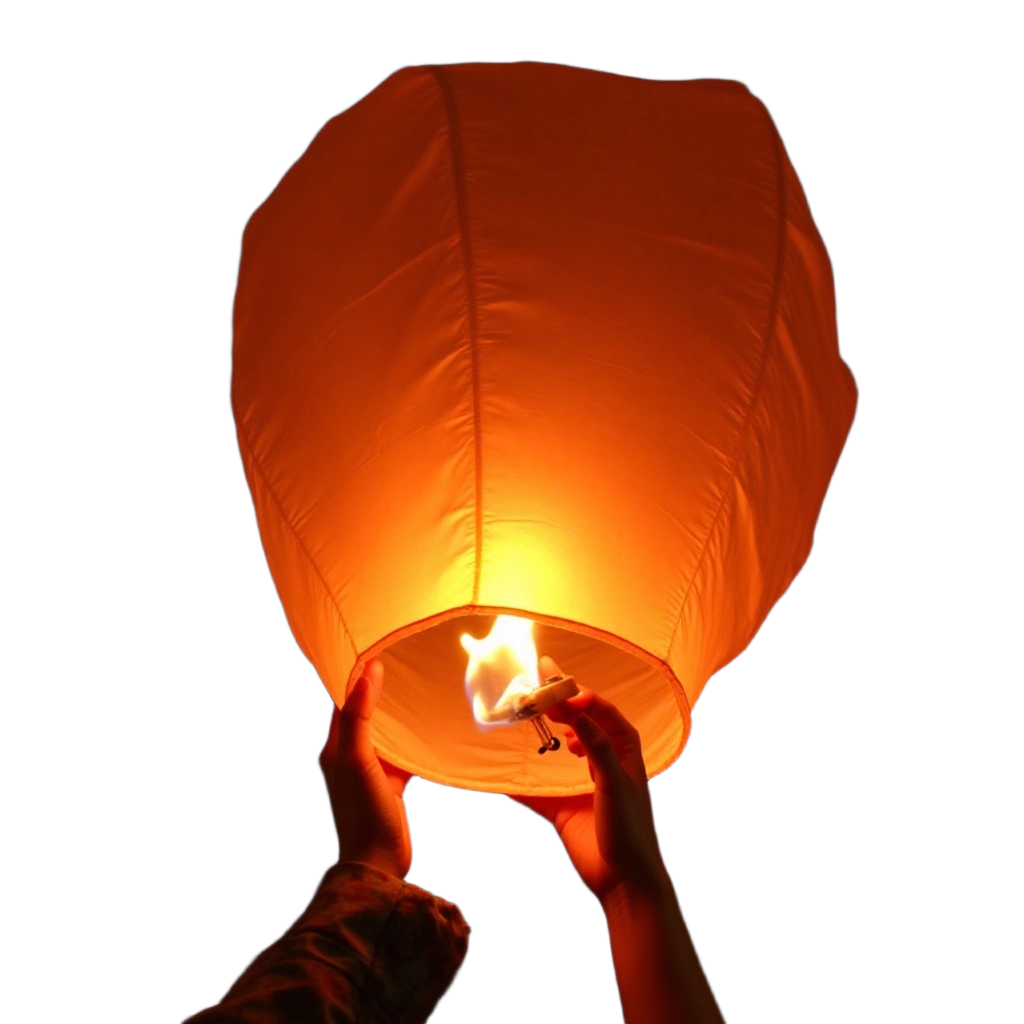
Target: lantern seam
x,y
768,334
469,276
295,533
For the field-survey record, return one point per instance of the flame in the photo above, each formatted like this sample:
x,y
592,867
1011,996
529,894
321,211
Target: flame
x,y
502,666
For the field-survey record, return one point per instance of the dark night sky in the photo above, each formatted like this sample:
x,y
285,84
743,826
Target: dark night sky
x,y
843,827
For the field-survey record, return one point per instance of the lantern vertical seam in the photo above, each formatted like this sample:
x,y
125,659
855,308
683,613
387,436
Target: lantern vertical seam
x,y
295,533
469,275
768,335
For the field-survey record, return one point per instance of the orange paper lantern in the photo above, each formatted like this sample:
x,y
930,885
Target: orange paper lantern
x,y
553,342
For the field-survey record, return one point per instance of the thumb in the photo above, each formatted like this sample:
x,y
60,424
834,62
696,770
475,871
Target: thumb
x,y
354,716
364,693
608,770
359,699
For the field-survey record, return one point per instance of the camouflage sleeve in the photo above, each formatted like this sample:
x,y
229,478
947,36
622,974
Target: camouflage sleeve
x,y
369,948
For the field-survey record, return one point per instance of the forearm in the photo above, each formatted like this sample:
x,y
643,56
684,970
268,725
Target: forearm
x,y
659,976
370,947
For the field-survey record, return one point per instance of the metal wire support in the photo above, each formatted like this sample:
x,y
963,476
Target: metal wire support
x,y
548,740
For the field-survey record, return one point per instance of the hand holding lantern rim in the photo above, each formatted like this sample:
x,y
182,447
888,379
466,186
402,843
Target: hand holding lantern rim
x,y
365,791
608,834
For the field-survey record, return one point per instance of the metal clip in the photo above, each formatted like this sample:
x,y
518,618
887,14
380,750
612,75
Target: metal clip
x,y
548,740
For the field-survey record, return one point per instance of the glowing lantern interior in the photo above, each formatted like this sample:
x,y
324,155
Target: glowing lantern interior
x,y
424,707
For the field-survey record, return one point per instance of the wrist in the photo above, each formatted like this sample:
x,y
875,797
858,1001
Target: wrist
x,y
382,862
650,886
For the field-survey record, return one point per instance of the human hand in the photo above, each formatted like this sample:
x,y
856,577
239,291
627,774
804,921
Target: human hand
x,y
608,834
365,791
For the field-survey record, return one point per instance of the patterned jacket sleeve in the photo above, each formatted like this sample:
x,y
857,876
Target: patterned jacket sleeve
x,y
370,948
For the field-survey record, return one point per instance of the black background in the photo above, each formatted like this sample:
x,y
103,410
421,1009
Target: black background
x,y
846,827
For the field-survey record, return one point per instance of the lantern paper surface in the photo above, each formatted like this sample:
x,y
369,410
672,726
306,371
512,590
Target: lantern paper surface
x,y
545,341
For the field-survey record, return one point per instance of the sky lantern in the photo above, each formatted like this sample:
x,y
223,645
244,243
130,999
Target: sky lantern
x,y
531,358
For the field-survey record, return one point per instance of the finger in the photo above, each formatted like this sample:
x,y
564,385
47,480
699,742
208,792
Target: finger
x,y
373,670
603,711
359,702
398,777
606,768
565,711
356,712
571,739
397,784
548,667
376,672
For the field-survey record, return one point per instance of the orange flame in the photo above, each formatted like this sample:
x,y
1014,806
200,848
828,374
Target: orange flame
x,y
502,666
